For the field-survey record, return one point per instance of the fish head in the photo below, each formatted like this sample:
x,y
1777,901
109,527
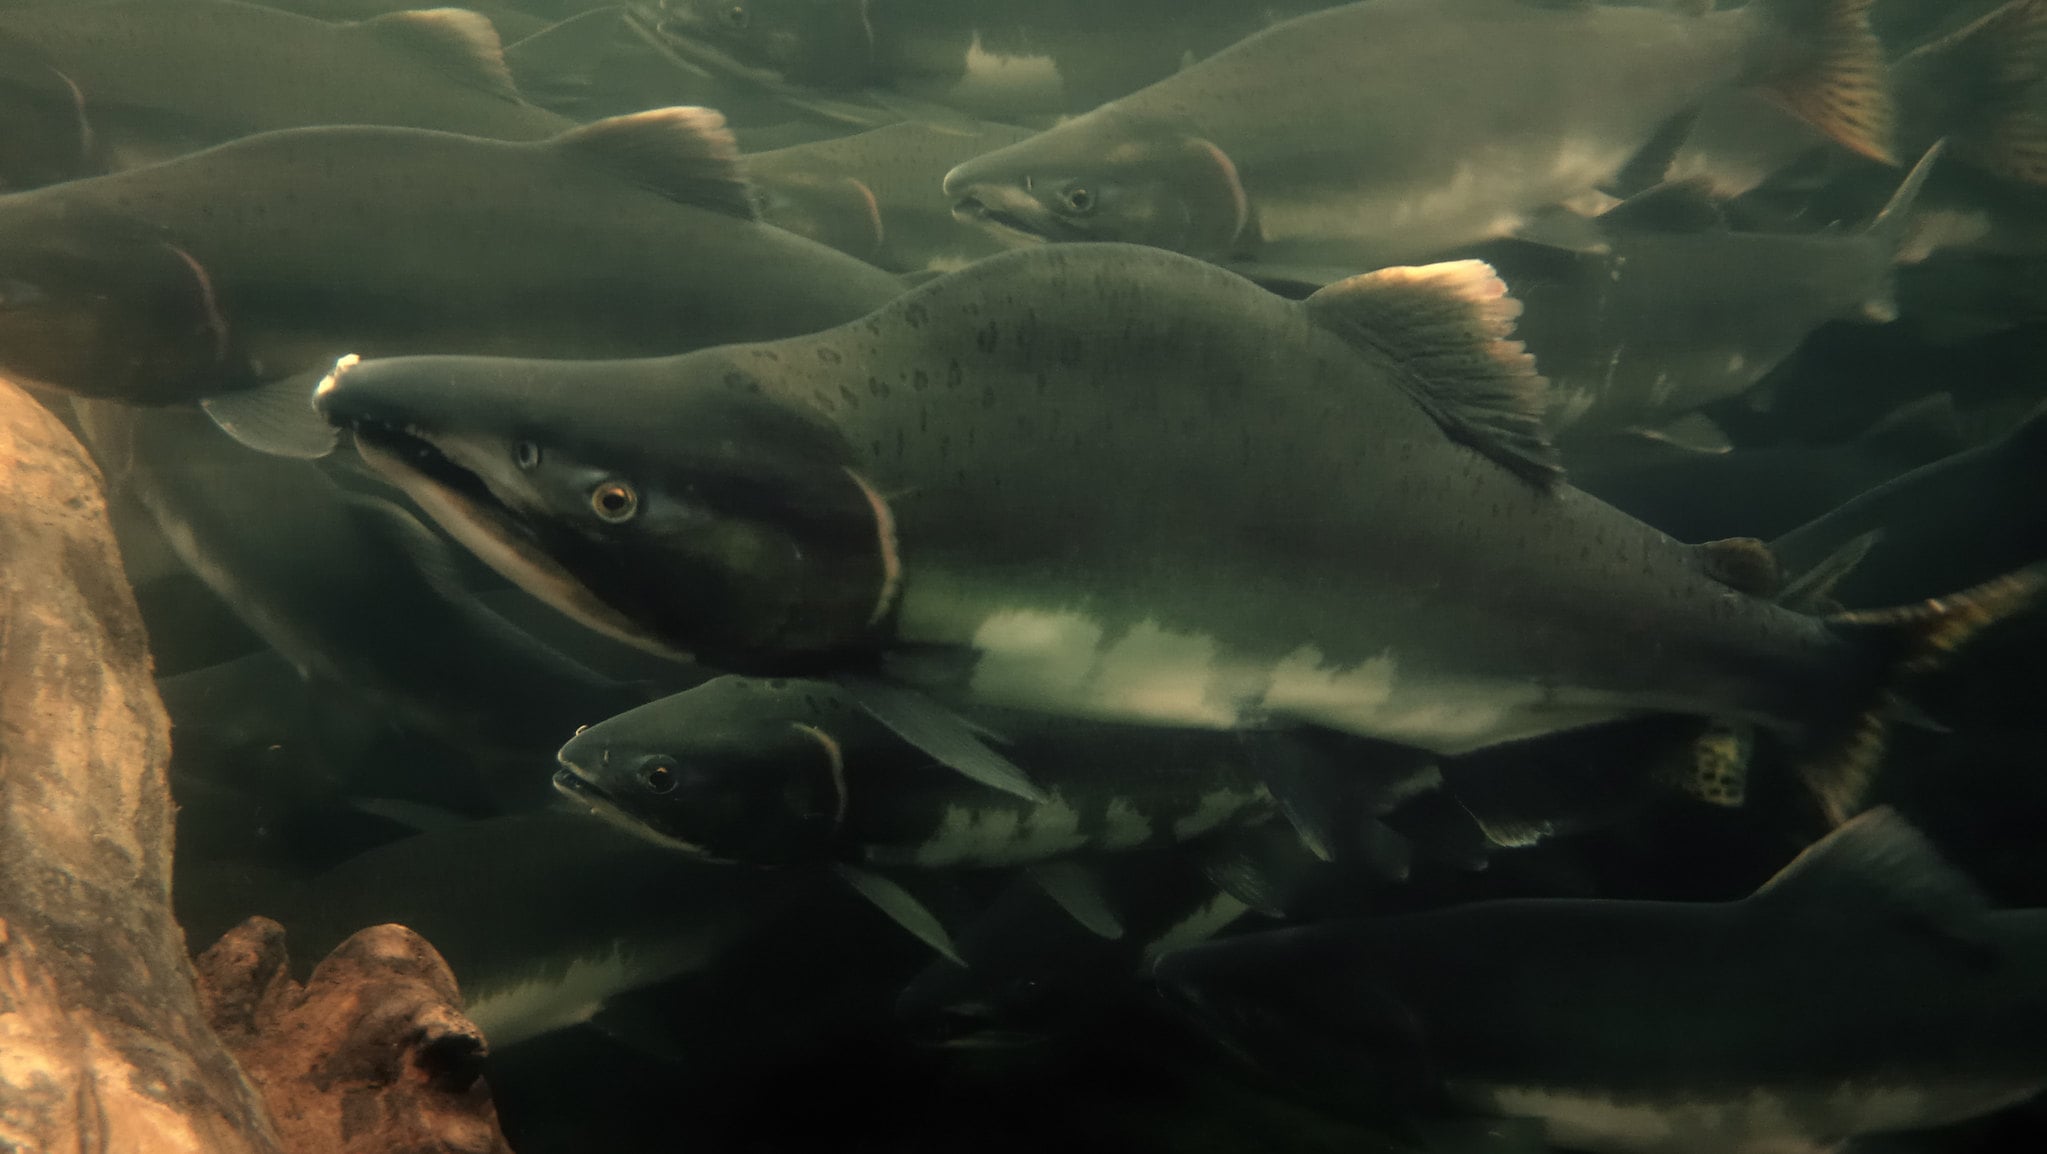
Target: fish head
x,y
98,309
1106,177
735,770
1302,1007
678,510
823,42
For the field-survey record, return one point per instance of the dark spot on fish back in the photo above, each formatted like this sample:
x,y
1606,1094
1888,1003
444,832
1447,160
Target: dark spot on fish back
x,y
829,355
851,398
988,336
953,374
920,380
742,382
877,386
915,315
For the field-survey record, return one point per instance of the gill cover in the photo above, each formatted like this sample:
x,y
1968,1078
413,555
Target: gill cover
x,y
104,308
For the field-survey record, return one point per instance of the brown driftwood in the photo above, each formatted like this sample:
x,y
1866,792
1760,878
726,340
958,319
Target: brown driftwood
x,y
102,1043
372,1055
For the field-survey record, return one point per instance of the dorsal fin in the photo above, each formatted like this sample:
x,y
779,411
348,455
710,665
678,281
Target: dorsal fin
x,y
1448,330
685,154
1742,563
1878,859
1673,206
461,43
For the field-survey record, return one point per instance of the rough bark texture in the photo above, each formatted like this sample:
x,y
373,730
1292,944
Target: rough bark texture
x,y
371,1056
102,1043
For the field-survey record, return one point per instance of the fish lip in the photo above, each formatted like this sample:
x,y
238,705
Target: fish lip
x,y
570,782
409,447
974,210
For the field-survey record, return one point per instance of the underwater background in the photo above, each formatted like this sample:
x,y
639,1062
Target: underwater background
x,y
1144,575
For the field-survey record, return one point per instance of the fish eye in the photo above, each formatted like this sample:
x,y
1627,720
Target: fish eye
x,y
526,455
736,17
1078,199
614,501
658,776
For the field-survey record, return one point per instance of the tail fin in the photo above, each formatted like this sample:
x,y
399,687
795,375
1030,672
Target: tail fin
x,y
1986,86
1905,641
1839,86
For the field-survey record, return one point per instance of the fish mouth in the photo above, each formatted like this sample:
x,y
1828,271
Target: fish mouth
x,y
462,500
570,782
1004,219
402,453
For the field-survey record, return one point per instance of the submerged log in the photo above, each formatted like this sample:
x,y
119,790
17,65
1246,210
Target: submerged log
x,y
102,1043
372,1055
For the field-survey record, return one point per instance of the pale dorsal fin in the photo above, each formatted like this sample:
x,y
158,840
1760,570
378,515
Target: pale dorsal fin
x,y
1878,859
1448,331
685,154
463,44
1674,206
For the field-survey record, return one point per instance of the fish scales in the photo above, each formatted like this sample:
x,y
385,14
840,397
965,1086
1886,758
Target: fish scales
x,y
1444,561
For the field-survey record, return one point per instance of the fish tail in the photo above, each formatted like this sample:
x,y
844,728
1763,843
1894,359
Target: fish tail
x,y
1837,81
1901,643
1993,73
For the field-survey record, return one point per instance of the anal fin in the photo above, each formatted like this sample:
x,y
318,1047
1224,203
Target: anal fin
x,y
902,908
1078,891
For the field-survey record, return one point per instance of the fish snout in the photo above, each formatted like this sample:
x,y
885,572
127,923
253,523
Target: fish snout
x,y
976,200
324,391
1006,208
959,180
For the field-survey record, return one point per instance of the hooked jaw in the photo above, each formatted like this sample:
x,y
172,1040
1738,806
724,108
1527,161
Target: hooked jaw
x,y
1006,206
407,417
